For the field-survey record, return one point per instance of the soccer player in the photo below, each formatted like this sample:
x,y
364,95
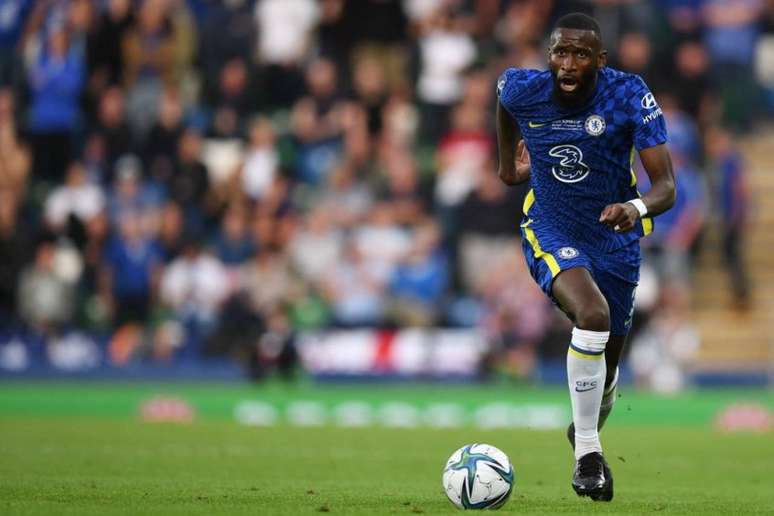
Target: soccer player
x,y
583,217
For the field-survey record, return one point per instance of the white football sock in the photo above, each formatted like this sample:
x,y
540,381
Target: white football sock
x,y
586,378
608,400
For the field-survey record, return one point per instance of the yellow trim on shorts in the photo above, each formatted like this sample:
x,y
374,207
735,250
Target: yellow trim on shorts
x,y
553,265
529,200
574,353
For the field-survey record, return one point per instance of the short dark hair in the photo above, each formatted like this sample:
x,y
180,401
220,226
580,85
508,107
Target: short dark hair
x,y
579,21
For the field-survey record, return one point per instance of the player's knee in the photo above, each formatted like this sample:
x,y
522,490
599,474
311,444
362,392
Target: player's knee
x,y
589,342
593,317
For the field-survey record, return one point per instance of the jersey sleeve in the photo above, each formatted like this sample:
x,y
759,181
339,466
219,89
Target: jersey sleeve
x,y
646,117
511,87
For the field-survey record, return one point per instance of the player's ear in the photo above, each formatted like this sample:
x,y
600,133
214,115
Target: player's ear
x,y
602,61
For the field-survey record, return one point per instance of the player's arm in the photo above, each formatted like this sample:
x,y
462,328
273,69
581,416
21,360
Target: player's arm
x,y
514,167
658,164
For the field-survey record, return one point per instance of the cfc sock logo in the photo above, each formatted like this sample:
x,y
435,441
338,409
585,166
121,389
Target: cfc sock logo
x,y
585,385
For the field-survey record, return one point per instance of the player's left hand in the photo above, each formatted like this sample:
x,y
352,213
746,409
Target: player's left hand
x,y
621,216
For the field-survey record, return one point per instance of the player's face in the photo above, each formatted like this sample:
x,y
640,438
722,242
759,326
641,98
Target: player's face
x,y
574,58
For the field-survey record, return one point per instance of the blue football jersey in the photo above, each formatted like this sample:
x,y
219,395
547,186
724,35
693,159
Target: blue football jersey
x,y
582,157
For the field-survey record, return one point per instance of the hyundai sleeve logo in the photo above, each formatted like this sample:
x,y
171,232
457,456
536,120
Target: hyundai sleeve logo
x,y
648,101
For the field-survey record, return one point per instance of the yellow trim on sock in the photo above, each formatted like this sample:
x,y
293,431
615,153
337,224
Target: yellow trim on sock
x,y
571,351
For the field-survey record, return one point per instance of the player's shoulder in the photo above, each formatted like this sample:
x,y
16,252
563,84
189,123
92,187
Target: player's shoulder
x,y
520,85
618,79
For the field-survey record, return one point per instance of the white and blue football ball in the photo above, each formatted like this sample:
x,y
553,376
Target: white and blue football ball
x,y
478,476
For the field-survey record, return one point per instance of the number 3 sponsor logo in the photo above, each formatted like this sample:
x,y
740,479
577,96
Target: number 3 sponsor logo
x,y
571,167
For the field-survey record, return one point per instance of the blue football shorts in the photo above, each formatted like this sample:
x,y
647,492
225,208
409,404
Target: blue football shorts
x,y
616,273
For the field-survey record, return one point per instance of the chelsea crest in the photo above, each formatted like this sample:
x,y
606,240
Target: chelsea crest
x,y
595,125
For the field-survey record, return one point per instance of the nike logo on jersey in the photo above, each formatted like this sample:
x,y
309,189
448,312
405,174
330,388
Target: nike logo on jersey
x,y
535,125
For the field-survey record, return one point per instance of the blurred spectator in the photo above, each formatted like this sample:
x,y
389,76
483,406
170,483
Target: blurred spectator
x,y
509,308
678,230
349,195
521,31
734,202
401,121
635,56
172,231
231,101
445,52
131,267
402,190
157,52
130,193
676,234
233,244
691,82
492,209
419,281
488,226
376,30
76,202
56,78
261,159
46,298
284,30
189,185
317,123
730,35
268,282
93,236
463,153
370,90
94,159
380,240
160,149
113,129
15,158
317,245
105,53
764,58
663,349
355,289
15,251
273,221
194,285
13,14
227,33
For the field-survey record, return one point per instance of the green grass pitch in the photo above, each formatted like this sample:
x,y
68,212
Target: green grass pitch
x,y
83,450
84,466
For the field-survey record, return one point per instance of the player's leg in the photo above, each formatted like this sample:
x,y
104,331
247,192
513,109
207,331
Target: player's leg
x,y
578,295
581,299
613,352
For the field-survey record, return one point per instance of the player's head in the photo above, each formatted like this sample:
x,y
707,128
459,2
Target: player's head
x,y
574,56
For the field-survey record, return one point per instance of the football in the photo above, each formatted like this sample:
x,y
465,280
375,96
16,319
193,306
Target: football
x,y
478,476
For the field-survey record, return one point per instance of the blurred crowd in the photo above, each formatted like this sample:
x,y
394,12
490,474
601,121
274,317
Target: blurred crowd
x,y
207,177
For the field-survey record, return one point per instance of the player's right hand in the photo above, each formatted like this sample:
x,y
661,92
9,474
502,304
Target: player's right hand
x,y
520,171
621,217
